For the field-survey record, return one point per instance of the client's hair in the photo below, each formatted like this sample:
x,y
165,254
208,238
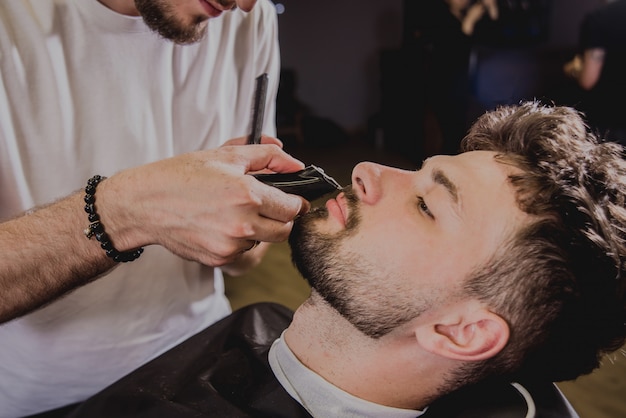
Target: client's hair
x,y
560,281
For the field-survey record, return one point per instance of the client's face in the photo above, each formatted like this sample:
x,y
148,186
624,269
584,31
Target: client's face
x,y
400,242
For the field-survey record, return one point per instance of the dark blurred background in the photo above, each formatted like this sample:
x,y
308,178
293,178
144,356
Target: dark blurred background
x,y
353,70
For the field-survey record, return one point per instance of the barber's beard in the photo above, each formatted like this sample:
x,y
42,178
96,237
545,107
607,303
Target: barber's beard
x,y
361,292
161,17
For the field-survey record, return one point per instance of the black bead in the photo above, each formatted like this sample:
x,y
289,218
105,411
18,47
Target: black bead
x,y
94,180
97,228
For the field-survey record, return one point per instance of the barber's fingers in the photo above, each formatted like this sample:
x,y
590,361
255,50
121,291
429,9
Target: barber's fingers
x,y
272,158
274,211
269,229
281,206
258,157
243,140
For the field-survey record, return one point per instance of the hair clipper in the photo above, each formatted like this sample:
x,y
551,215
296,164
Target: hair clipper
x,y
310,183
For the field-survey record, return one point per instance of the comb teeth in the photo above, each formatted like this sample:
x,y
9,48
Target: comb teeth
x,y
258,109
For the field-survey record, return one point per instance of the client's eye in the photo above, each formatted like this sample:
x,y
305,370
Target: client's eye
x,y
424,207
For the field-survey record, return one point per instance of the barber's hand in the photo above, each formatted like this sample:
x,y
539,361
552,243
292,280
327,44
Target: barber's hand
x,y
244,141
247,260
201,206
264,140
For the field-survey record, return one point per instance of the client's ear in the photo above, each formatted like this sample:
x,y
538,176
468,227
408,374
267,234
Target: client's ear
x,y
469,333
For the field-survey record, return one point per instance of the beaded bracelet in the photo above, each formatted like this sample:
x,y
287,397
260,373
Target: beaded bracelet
x,y
96,228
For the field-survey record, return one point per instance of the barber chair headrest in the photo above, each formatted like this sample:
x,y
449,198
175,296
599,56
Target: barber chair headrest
x,y
504,400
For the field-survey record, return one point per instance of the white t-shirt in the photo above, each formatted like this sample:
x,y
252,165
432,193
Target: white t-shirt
x,y
84,91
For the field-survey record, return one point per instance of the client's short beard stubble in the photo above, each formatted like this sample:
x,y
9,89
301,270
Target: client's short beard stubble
x,y
331,271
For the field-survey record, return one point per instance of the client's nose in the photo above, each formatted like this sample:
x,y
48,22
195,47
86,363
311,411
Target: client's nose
x,y
366,182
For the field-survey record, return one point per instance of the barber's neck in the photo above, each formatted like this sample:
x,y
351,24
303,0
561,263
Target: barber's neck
x,y
125,7
392,370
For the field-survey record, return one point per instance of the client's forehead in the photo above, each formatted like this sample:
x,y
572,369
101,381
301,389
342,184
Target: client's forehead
x,y
488,209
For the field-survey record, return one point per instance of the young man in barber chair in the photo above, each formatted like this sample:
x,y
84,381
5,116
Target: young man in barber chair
x,y
462,289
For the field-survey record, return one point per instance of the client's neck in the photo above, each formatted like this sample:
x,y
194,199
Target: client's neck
x,y
389,371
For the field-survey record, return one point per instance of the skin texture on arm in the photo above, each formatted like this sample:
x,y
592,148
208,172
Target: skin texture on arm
x,y
200,206
45,254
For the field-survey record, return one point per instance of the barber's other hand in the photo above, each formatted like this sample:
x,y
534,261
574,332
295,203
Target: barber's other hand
x,y
201,206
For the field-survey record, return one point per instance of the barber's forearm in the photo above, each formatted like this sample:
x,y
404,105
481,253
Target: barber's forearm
x,y
45,254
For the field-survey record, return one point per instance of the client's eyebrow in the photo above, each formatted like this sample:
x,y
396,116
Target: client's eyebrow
x,y
439,177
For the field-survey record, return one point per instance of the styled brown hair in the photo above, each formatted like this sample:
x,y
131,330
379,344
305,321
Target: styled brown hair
x,y
560,282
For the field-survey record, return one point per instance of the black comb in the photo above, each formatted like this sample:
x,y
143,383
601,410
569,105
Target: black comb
x,y
258,109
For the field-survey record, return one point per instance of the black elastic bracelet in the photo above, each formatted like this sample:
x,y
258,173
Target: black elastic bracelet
x,y
96,228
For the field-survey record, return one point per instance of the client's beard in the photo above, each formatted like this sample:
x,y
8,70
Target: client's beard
x,y
349,283
161,18
314,253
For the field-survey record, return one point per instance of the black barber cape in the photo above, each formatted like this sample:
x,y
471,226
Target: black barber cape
x,y
224,372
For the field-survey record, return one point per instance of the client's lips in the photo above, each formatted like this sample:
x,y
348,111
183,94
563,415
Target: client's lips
x,y
337,209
